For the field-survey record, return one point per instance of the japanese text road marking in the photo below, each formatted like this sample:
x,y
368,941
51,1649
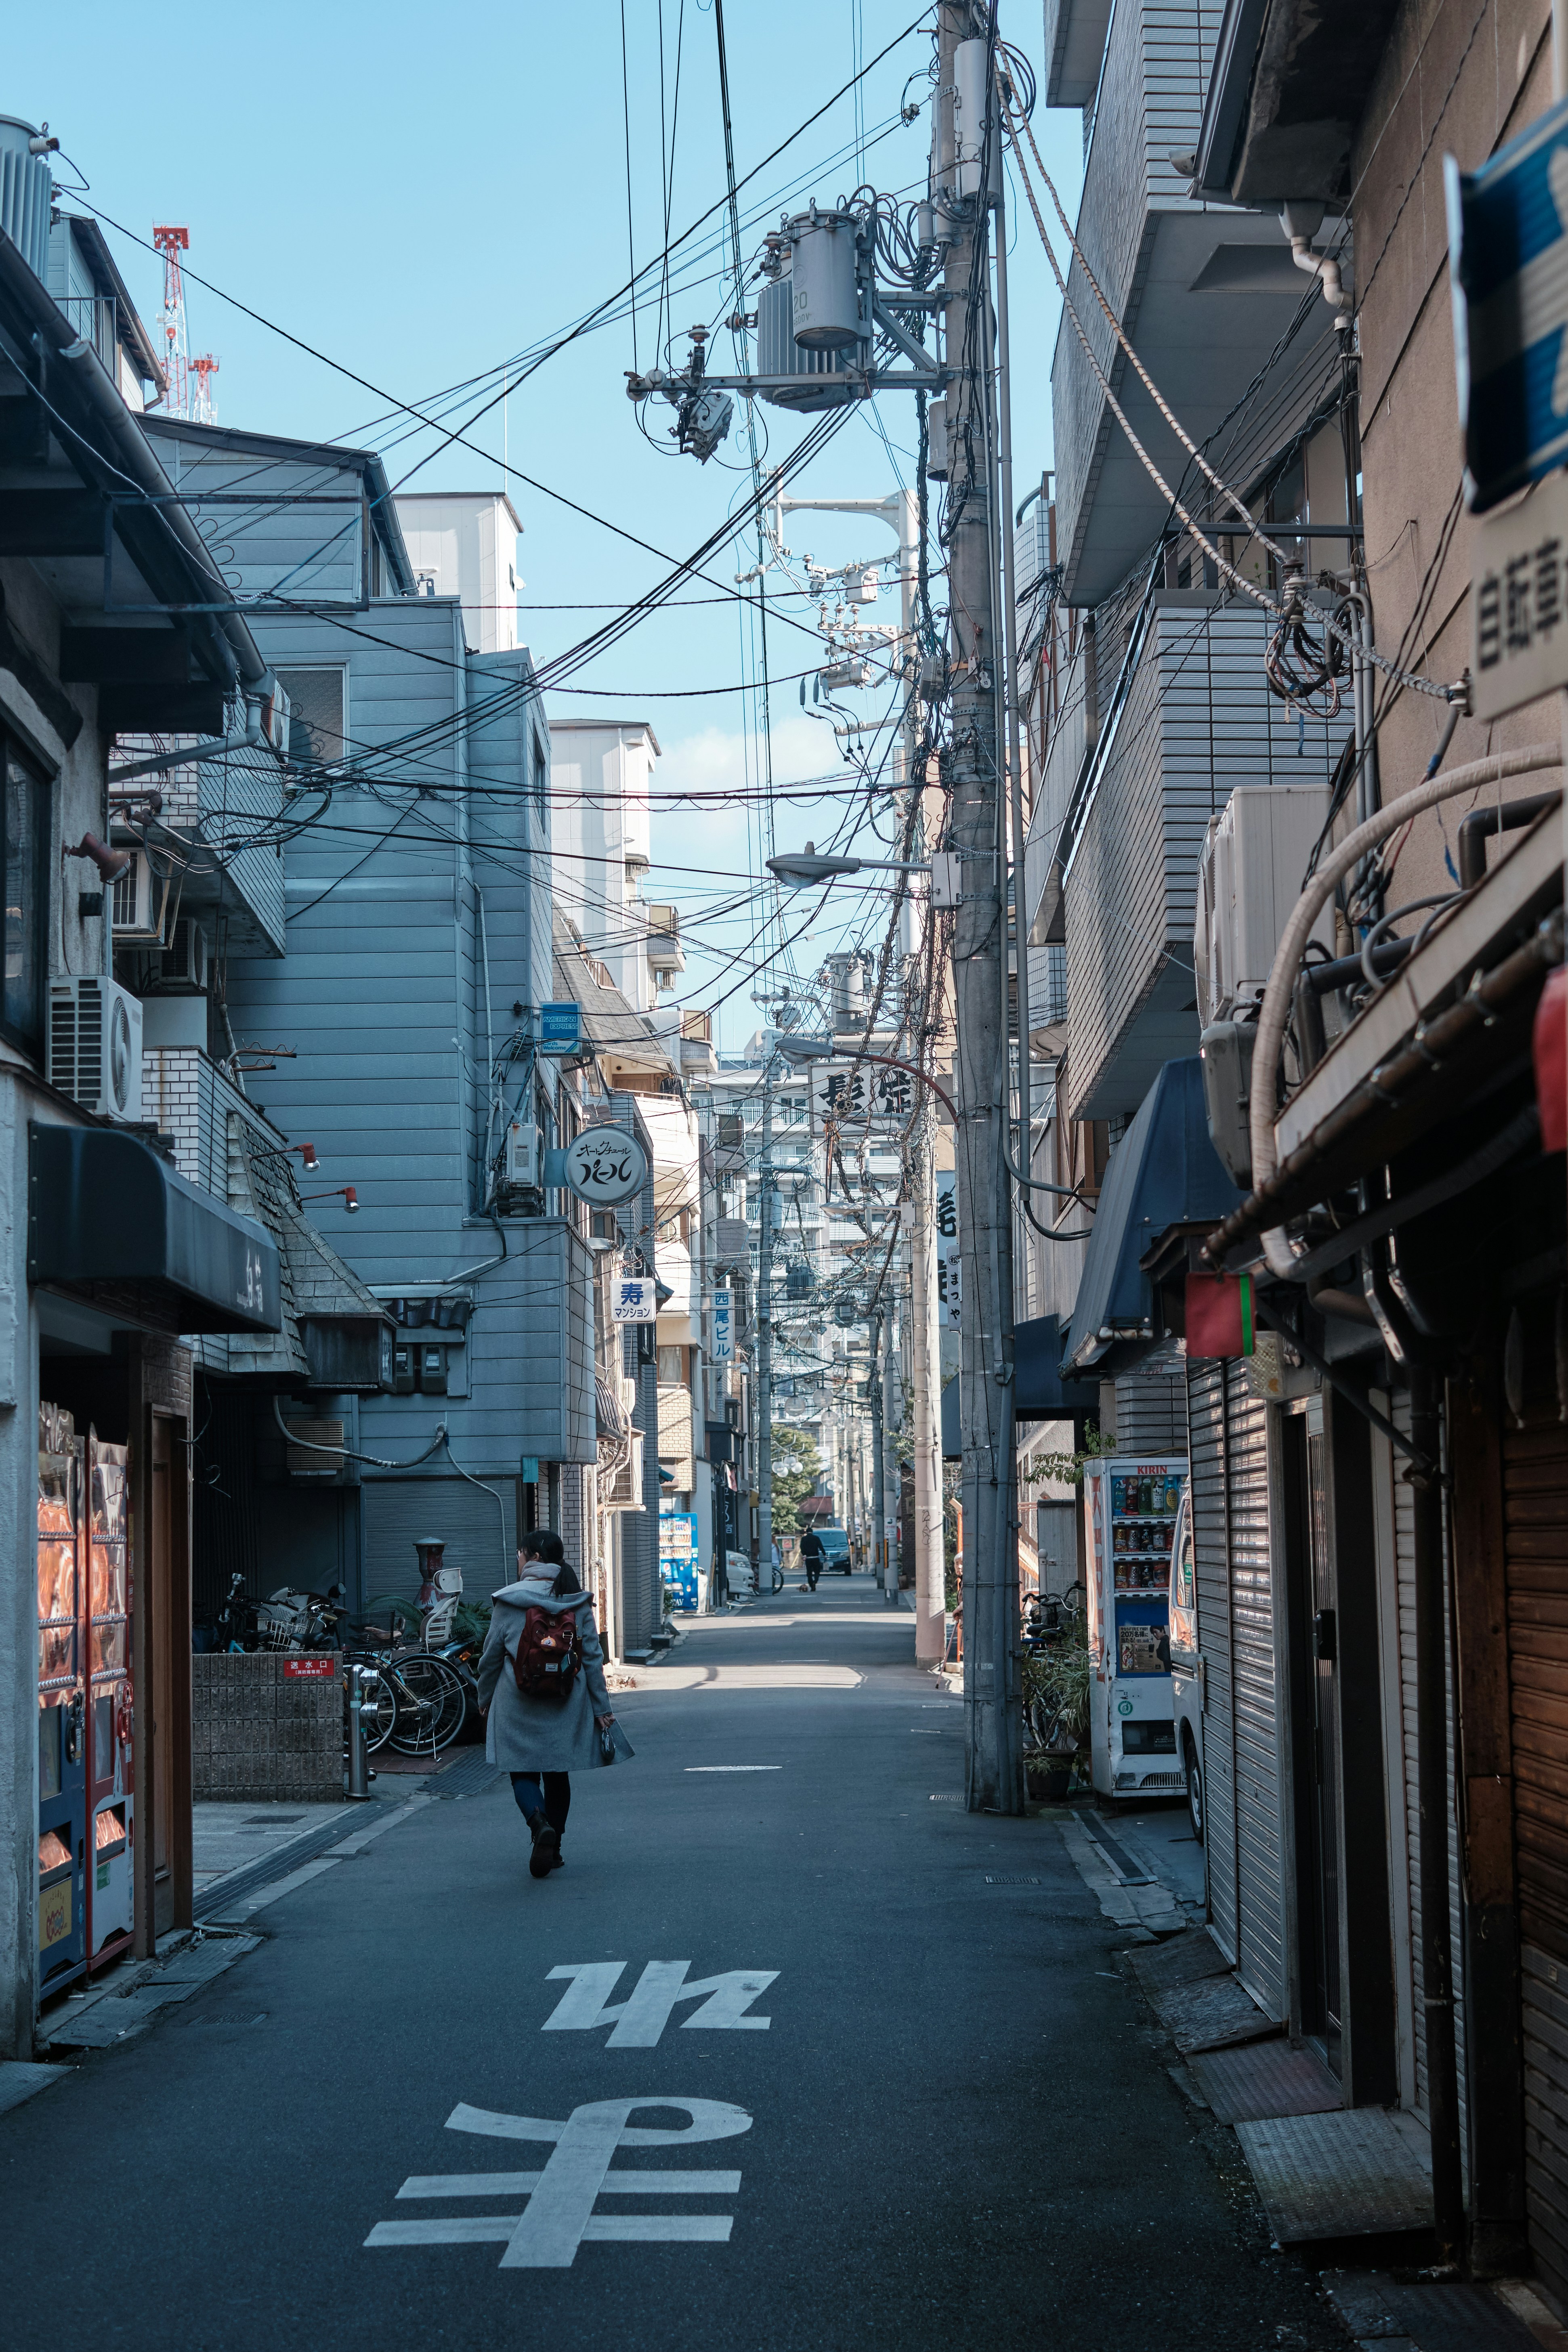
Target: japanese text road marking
x,y
559,2216
641,2018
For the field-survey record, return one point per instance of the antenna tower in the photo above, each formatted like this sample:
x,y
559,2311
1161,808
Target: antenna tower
x,y
189,393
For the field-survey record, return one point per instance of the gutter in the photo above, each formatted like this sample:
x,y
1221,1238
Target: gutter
x,y
234,653
192,754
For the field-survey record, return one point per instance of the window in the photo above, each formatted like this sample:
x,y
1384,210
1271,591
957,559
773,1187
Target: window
x,y
25,879
671,1365
318,720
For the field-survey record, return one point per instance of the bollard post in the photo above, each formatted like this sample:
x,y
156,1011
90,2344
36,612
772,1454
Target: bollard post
x,y
359,1785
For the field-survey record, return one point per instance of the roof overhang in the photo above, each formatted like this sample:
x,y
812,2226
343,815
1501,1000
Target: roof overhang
x,y
109,1221
1290,78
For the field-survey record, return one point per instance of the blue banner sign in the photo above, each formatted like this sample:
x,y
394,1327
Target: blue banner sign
x,y
1507,264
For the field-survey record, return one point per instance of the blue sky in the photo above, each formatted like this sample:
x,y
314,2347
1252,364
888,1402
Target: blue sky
x,y
421,199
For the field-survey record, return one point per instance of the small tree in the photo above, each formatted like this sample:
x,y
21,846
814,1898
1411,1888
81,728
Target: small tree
x,y
796,1467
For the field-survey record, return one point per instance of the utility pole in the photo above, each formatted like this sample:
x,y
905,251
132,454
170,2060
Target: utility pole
x,y
994,1778
878,1478
925,1377
766,1341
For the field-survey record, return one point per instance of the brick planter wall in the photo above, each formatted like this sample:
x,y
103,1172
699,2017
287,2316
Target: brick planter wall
x,y
259,1732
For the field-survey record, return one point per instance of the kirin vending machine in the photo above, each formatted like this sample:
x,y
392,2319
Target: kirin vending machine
x,y
1130,1506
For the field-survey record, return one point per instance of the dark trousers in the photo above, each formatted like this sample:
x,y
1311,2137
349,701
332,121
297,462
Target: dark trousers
x,y
554,1802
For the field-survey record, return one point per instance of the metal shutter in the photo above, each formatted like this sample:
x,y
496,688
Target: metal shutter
x,y
1536,1505
1260,1858
1206,1428
397,1510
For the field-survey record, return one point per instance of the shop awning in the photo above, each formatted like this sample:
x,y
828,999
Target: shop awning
x,y
1164,1172
110,1221
1040,1393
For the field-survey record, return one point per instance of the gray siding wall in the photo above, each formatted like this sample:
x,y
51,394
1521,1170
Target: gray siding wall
x,y
382,997
1196,721
1151,103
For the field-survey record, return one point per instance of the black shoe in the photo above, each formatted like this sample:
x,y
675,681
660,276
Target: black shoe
x,y
546,1850
560,1861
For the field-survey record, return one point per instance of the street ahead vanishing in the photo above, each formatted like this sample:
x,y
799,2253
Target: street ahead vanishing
x,y
793,2052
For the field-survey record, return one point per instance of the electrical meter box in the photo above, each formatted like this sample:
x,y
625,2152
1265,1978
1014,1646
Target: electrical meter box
x,y
524,1156
1130,1506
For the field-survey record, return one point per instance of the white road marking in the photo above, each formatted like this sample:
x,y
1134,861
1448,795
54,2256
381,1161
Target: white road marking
x,y
641,2018
559,2216
734,1768
627,2182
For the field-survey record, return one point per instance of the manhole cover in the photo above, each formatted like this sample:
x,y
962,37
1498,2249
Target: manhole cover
x,y
947,1801
1013,1879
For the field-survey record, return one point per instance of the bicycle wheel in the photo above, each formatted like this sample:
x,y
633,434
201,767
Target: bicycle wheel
x,y
778,1580
378,1708
431,1704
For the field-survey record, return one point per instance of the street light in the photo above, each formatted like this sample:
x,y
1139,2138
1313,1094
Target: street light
x,y
805,866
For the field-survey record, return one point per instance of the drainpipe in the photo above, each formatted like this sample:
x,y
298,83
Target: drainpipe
x,y
1432,1795
1300,223
192,754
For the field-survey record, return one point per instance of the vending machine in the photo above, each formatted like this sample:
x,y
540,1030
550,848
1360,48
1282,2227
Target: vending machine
x,y
110,1772
1130,1508
678,1564
62,1709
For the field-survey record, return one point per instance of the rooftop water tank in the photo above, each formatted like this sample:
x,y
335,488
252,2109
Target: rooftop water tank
x,y
25,193
822,269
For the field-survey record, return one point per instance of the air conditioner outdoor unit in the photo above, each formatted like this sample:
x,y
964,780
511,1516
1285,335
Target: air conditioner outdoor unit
x,y
183,966
95,1046
1250,873
141,903
626,1491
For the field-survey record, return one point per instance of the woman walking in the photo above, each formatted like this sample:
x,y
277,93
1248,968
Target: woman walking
x,y
531,1730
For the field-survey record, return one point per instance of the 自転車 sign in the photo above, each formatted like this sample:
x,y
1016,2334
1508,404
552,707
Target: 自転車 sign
x,y
1519,602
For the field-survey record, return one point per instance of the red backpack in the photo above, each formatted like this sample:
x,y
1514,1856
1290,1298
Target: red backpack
x,y
549,1655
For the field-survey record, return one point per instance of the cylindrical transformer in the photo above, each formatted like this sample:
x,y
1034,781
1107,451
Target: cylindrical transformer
x,y
936,440
969,110
822,271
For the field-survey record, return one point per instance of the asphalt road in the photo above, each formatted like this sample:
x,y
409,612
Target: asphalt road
x,y
959,2134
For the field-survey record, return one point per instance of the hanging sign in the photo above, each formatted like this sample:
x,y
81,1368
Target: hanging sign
x,y
605,1166
855,1098
721,1308
560,1028
1519,602
1508,262
634,1298
949,1279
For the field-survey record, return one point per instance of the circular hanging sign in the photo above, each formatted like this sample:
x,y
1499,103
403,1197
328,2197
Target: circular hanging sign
x,y
605,1165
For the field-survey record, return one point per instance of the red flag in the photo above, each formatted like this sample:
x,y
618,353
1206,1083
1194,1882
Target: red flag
x,y
1219,1315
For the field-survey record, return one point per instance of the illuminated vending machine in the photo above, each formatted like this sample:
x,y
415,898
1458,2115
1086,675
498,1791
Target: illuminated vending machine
x,y
679,1565
111,1776
1130,1506
62,1709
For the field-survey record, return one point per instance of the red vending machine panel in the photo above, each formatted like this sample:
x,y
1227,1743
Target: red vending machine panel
x,y
62,1709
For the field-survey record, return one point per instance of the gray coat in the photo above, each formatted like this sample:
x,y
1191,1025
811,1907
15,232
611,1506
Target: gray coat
x,y
539,1734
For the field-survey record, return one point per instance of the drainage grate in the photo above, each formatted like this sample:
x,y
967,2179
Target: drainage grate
x,y
468,1777
1012,1879
947,1801
269,1821
227,2017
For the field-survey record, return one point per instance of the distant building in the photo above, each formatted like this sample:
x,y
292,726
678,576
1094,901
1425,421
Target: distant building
x,y
464,543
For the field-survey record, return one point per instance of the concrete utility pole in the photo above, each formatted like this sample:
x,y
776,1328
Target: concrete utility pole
x,y
879,1473
994,1772
931,1583
765,1342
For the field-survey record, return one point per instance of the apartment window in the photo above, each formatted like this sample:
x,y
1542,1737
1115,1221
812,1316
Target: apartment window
x,y
25,879
318,715
671,1365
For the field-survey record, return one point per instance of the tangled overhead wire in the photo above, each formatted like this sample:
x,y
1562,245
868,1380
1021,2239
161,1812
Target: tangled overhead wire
x,y
1298,664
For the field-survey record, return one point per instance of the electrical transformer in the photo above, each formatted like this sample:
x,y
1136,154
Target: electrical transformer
x,y
823,274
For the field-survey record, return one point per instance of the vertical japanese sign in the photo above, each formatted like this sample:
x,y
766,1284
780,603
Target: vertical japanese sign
x,y
721,1307
949,1280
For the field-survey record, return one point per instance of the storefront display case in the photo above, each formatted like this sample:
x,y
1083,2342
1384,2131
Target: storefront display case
x,y
1130,1508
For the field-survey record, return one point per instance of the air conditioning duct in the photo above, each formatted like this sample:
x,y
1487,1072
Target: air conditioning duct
x,y
94,1046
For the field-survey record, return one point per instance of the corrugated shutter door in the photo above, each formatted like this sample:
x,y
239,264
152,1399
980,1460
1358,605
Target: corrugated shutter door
x,y
1259,1863
397,1510
1535,1497
1206,1438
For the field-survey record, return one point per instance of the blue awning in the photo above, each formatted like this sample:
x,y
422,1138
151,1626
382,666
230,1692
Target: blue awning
x,y
1164,1172
1040,1392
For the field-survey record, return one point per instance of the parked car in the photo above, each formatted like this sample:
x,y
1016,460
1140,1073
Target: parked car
x,y
836,1549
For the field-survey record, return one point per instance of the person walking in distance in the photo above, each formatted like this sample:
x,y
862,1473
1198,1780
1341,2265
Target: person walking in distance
x,y
811,1556
543,1690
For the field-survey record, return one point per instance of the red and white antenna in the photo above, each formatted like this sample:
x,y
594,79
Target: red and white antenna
x,y
171,243
202,371
189,392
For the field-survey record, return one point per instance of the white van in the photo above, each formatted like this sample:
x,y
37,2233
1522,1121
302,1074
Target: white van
x,y
1187,1662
